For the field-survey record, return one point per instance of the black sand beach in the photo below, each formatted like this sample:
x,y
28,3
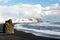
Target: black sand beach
x,y
19,35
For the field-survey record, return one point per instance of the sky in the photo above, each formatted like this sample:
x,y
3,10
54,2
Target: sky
x,y
48,10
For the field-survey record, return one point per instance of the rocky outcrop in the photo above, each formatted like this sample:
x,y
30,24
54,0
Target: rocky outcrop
x,y
9,27
39,20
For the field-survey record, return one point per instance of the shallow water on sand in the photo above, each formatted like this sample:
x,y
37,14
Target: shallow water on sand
x,y
40,29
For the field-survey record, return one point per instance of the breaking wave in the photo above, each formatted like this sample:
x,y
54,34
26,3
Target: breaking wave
x,y
40,29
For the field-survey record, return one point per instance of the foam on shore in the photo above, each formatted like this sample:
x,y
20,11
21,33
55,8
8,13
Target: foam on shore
x,y
37,32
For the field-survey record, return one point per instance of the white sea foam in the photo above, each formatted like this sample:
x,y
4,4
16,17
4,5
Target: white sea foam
x,y
46,33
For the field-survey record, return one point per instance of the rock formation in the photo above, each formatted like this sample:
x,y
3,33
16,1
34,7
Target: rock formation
x,y
39,20
9,27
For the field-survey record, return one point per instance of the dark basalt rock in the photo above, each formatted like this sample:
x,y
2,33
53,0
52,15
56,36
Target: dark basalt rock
x,y
9,27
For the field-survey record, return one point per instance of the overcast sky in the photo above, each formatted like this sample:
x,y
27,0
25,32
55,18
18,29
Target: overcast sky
x,y
48,10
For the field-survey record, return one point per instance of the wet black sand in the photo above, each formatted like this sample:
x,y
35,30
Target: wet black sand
x,y
19,35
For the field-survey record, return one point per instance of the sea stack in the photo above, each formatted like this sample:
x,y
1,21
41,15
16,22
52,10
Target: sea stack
x,y
9,27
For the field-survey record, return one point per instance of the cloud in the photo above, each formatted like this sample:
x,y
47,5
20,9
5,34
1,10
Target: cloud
x,y
24,10
52,10
30,10
51,13
5,1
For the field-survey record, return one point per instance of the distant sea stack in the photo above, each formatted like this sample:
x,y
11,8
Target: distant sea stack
x,y
39,20
9,27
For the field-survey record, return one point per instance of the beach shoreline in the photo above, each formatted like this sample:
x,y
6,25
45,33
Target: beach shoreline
x,y
20,35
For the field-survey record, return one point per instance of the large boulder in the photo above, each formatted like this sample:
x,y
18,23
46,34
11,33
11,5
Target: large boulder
x,y
9,27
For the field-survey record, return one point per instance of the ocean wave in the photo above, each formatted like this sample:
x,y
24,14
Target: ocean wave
x,y
55,33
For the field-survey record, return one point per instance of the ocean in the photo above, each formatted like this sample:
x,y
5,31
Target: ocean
x,y
40,29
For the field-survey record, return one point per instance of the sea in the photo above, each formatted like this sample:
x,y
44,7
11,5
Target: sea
x,y
40,29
